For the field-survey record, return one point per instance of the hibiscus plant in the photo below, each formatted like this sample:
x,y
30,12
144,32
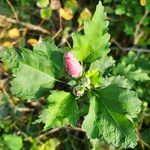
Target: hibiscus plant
x,y
78,84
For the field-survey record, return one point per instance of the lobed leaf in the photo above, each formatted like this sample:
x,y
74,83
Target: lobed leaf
x,y
62,110
34,72
111,116
95,41
133,68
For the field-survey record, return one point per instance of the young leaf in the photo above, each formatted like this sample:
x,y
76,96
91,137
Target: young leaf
x,y
46,13
94,43
34,71
50,144
62,110
111,116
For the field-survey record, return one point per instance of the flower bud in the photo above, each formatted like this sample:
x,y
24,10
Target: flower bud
x,y
73,66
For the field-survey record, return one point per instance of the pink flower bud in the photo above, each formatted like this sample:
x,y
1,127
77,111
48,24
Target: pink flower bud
x,y
73,66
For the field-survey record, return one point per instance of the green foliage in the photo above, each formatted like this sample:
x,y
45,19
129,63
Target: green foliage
x,y
131,69
13,142
102,64
137,70
111,115
50,144
120,10
94,77
71,4
46,13
42,3
34,72
62,110
102,98
94,43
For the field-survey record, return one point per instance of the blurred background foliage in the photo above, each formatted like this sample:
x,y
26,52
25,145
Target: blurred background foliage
x,y
27,22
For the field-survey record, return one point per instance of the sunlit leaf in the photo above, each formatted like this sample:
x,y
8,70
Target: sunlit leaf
x,y
13,33
66,13
45,13
32,41
143,2
42,3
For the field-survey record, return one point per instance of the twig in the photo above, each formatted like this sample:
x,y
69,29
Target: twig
x,y
27,25
13,10
139,50
65,40
137,33
25,109
58,129
60,28
117,44
142,142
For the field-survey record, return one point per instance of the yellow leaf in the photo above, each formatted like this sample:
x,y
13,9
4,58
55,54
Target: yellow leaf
x,y
143,2
4,68
2,34
13,33
7,44
66,13
32,41
1,23
84,15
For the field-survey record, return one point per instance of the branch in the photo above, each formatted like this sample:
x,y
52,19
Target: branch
x,y
137,34
139,50
24,109
27,25
58,129
144,50
13,10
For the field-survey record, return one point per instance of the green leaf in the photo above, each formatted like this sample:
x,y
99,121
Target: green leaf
x,y
50,144
13,142
111,116
131,67
62,110
90,124
129,27
72,4
45,13
42,3
119,81
94,77
120,10
94,43
54,54
102,64
148,5
34,71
